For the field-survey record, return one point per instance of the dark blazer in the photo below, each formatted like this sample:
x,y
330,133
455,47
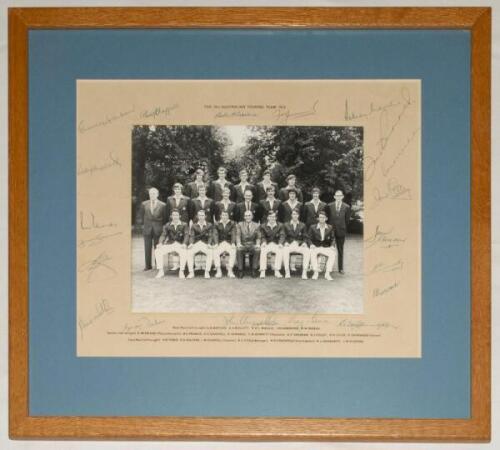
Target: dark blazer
x,y
261,191
253,207
152,221
265,207
310,214
191,190
247,238
283,194
184,206
286,211
208,206
339,220
215,190
315,236
172,233
205,234
225,233
299,234
231,209
275,234
239,192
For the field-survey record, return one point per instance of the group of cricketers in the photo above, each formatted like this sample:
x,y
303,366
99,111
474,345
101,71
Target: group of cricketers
x,y
220,218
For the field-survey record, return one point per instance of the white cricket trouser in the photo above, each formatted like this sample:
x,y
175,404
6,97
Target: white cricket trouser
x,y
294,247
199,247
329,252
220,249
272,247
165,249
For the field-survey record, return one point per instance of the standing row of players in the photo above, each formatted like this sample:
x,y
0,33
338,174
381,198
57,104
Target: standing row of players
x,y
154,214
220,195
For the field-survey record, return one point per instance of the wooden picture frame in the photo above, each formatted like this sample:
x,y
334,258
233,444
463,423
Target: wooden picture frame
x,y
25,426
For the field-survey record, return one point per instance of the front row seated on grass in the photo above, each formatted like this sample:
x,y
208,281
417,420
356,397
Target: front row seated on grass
x,y
247,238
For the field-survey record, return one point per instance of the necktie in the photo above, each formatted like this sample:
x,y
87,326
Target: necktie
x,y
248,206
338,207
153,204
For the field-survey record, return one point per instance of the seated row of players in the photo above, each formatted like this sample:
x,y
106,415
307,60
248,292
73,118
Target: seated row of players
x,y
188,208
247,237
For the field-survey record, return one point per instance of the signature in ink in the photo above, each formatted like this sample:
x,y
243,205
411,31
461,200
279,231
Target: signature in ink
x,y
387,267
282,116
386,131
393,191
92,168
96,240
384,239
143,323
102,308
98,269
107,120
89,222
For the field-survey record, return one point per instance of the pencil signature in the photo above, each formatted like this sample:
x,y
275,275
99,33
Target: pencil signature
x,y
98,269
282,116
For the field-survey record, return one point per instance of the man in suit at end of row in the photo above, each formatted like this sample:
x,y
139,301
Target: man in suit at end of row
x,y
152,216
338,217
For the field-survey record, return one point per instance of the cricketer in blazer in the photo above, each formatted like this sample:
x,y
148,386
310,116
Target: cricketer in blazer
x,y
299,234
152,221
339,220
315,236
183,205
311,211
172,234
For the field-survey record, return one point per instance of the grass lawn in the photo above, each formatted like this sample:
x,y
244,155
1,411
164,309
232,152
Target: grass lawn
x,y
343,295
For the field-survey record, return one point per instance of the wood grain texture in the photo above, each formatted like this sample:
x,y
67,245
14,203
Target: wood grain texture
x,y
477,428
18,221
223,17
481,223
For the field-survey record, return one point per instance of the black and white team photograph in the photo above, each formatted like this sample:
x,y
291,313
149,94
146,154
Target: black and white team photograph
x,y
247,219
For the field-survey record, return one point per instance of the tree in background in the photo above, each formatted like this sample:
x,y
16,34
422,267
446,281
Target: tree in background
x,y
328,157
164,155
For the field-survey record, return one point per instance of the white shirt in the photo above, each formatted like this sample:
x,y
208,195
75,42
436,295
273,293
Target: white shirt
x,y
322,232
